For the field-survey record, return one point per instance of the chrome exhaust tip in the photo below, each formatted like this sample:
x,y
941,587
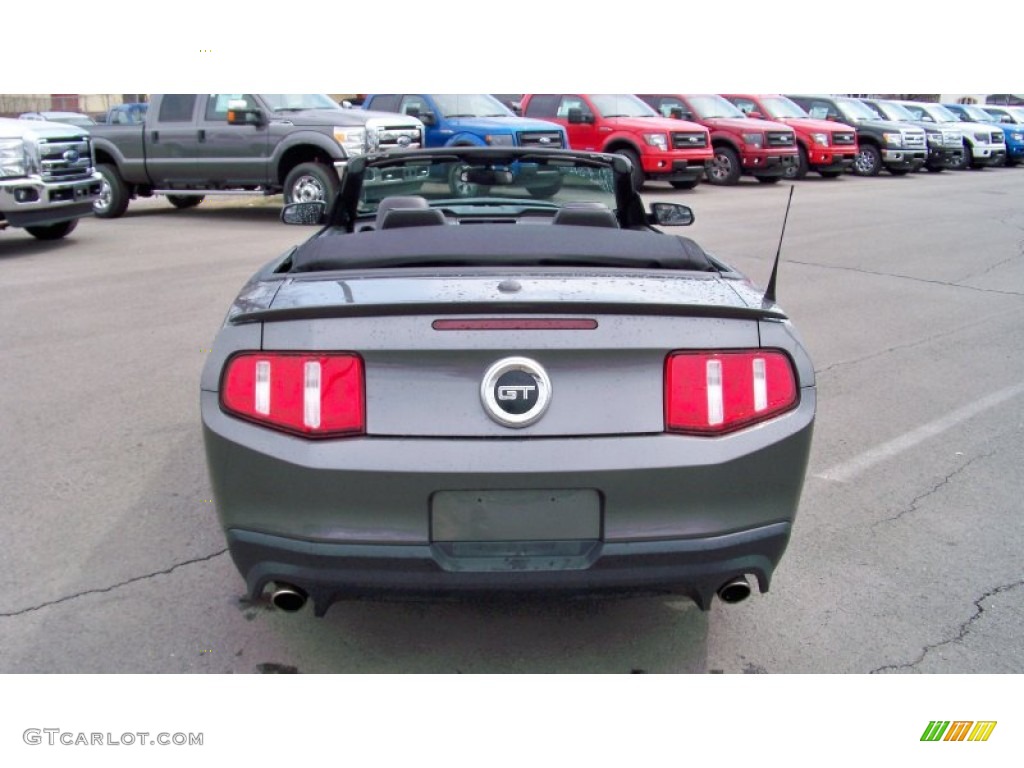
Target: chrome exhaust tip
x,y
288,598
735,590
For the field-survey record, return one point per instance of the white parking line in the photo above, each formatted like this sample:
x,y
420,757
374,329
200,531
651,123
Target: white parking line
x,y
847,470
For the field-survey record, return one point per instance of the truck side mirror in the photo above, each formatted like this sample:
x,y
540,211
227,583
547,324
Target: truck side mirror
x,y
243,116
676,113
575,116
755,114
429,118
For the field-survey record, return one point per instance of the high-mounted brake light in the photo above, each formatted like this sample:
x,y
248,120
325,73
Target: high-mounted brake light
x,y
319,394
711,393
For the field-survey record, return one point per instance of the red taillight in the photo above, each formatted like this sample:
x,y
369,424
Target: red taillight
x,y
710,393
310,394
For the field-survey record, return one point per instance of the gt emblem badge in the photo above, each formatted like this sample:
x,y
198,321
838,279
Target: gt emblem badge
x,y
515,392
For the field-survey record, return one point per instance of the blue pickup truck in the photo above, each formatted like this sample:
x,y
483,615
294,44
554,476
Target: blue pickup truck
x,y
468,120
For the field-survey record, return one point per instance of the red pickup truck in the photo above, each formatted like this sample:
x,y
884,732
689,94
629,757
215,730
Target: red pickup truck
x,y
824,146
742,146
659,149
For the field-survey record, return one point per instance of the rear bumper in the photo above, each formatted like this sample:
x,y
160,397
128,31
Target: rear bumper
x,y
332,572
359,516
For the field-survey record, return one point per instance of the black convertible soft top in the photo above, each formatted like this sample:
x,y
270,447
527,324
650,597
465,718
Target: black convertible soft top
x,y
498,244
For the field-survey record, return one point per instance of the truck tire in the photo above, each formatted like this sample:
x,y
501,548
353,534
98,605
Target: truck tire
x,y
185,201
113,199
310,182
638,169
965,159
689,184
800,168
868,161
53,231
725,169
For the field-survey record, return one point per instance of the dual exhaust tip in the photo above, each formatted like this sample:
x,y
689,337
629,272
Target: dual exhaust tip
x,y
291,599
288,598
735,590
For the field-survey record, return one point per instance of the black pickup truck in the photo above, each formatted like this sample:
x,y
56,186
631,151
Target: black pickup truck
x,y
193,145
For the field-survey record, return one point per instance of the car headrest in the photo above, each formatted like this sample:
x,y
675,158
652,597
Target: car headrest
x,y
411,217
398,201
586,215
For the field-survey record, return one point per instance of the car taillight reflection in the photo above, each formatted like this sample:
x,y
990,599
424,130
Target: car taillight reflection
x,y
711,393
318,394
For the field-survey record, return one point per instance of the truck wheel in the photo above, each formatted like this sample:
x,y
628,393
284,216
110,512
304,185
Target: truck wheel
x,y
800,168
690,184
638,169
768,179
965,161
460,188
310,182
113,199
184,201
868,161
53,231
725,169
545,191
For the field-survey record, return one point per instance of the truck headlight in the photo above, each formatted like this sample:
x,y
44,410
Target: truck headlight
x,y
500,139
659,140
981,138
352,140
893,139
13,160
1017,136
754,139
820,138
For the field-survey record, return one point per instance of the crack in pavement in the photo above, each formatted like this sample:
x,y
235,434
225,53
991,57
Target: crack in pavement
x,y
934,489
113,586
946,283
911,344
961,631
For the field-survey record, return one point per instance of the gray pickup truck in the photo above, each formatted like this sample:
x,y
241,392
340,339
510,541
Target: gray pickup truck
x,y
193,145
47,181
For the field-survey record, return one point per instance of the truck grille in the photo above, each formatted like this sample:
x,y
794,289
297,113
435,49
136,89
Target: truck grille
x,y
780,138
398,137
683,140
542,139
844,139
914,140
65,159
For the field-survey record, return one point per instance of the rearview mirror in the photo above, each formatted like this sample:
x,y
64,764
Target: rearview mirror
x,y
487,177
671,215
306,213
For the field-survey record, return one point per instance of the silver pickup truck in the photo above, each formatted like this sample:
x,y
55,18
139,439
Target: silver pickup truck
x,y
194,145
47,180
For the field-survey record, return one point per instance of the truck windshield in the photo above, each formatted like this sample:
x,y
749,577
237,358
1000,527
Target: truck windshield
x,y
895,112
709,107
622,105
855,110
288,102
941,114
1017,113
470,105
779,107
976,114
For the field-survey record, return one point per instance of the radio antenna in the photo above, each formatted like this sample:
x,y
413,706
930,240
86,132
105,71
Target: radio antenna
x,y
769,294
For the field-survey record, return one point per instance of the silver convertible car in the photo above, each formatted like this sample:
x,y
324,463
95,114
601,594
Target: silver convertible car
x,y
490,371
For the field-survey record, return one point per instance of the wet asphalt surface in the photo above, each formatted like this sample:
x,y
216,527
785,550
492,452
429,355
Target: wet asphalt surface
x,y
909,293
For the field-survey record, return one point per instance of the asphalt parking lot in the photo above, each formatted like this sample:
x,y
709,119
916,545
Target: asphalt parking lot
x,y
906,553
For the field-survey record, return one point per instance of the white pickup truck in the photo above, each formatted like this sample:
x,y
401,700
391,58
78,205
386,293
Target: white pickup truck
x,y
47,178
